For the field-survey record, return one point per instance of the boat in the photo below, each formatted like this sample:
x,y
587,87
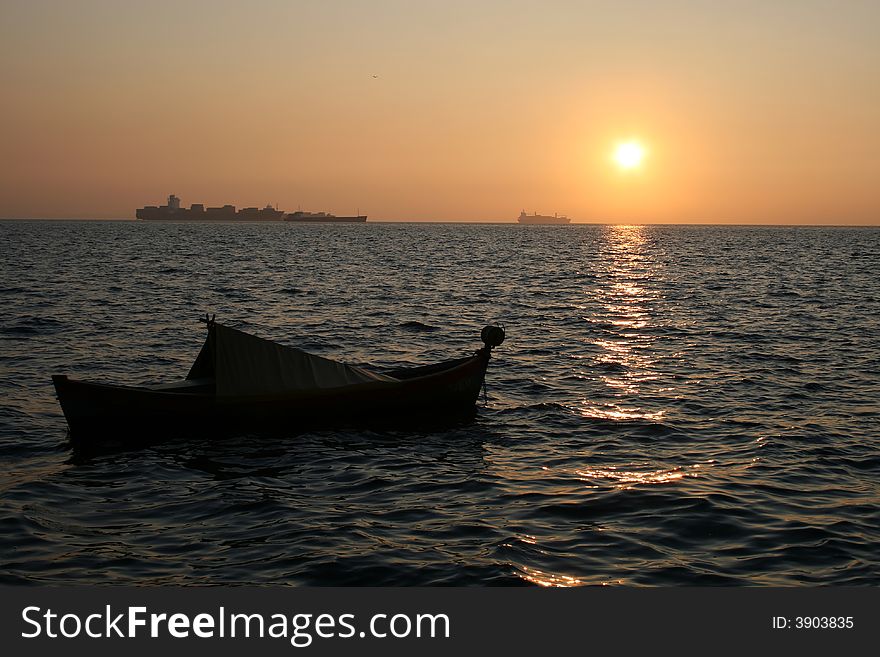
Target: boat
x,y
172,211
323,217
241,382
542,218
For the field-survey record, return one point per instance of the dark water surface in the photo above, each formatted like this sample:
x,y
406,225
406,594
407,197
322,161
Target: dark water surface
x,y
673,405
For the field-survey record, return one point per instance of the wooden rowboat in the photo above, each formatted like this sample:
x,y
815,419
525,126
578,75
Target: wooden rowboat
x,y
240,382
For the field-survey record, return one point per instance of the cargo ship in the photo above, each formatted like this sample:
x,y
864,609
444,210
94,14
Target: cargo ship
x,y
198,212
542,219
323,217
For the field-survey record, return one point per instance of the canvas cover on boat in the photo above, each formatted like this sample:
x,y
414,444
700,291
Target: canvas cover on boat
x,y
243,364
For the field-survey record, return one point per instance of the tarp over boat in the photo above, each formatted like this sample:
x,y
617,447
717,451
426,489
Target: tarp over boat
x,y
242,364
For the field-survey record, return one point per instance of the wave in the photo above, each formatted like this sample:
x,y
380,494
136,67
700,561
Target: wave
x,y
418,327
29,325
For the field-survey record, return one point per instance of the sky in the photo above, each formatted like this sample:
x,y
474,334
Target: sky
x,y
747,111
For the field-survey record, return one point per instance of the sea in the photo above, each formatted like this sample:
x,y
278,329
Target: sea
x,y
672,406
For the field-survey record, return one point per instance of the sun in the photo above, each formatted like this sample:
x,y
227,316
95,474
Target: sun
x,y
629,155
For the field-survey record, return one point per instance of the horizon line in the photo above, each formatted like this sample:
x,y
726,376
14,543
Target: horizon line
x,y
501,222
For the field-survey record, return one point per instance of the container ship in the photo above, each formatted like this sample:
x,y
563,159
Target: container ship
x,y
323,217
198,212
542,219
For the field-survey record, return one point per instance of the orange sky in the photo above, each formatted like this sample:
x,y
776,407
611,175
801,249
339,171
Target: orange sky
x,y
751,112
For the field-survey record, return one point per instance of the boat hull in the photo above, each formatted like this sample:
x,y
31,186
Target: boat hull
x,y
326,220
426,395
544,221
185,214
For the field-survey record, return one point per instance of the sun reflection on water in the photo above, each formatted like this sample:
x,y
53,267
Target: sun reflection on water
x,y
625,358
618,413
625,479
542,578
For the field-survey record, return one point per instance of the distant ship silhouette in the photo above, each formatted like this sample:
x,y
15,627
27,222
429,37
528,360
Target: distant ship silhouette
x,y
542,219
319,217
198,212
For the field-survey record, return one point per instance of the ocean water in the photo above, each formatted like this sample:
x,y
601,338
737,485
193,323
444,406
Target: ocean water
x,y
672,406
